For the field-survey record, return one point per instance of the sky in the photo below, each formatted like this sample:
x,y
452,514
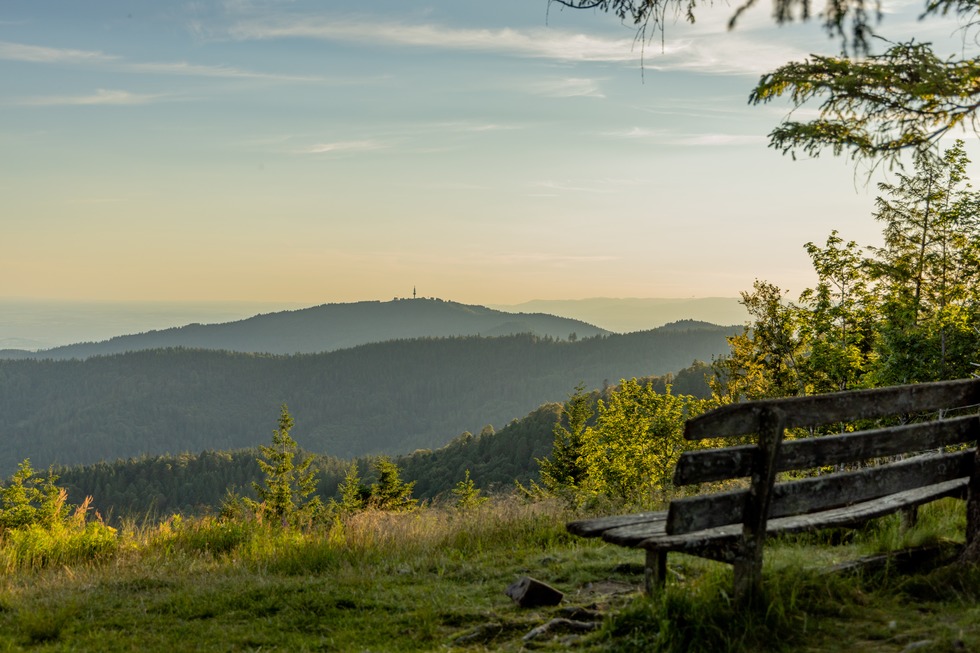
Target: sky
x,y
490,152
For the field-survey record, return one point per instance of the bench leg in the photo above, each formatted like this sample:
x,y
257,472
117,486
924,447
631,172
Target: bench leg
x,y
747,577
972,552
910,517
655,573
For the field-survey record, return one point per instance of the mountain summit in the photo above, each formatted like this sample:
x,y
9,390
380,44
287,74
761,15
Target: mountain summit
x,y
330,327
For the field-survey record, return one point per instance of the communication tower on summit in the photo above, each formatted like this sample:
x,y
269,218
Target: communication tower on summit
x,y
413,292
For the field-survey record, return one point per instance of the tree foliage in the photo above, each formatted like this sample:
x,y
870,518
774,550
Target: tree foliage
x,y
905,312
871,105
904,98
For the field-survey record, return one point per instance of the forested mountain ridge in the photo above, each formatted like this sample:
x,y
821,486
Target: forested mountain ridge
x,y
390,398
195,483
330,327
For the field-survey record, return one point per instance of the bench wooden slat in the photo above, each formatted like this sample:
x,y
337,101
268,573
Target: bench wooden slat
x,y
690,514
736,462
596,527
653,535
741,419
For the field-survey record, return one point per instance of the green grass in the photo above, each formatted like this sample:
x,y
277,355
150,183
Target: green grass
x,y
434,580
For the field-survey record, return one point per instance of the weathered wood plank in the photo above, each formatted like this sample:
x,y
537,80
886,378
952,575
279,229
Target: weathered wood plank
x,y
690,514
736,462
656,538
720,543
596,527
740,419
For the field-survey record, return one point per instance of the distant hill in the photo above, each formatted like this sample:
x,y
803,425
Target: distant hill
x,y
392,397
331,327
632,314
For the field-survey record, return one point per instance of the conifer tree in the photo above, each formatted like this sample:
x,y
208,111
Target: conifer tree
x,y
563,472
351,491
467,494
30,499
390,492
284,496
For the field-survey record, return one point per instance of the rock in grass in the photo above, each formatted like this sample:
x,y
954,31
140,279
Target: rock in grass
x,y
531,593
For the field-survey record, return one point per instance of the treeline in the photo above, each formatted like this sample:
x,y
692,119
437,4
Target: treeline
x,y
391,398
157,486
160,485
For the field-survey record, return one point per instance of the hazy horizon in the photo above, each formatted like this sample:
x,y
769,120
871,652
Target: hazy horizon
x,y
34,324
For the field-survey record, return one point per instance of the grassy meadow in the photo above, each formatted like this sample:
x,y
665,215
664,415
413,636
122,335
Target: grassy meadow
x,y
434,579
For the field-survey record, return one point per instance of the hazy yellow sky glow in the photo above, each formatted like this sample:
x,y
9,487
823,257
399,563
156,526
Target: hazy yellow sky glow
x,y
484,152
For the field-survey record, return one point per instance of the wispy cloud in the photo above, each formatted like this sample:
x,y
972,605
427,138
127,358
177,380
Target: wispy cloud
x,y
569,87
602,186
731,53
343,146
668,137
546,43
10,51
701,140
638,133
707,51
198,70
100,97
39,54
468,126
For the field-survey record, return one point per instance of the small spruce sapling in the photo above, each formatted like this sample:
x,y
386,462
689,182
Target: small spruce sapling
x,y
353,495
467,494
284,497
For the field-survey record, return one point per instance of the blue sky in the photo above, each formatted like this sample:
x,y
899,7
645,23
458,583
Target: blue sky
x,y
485,152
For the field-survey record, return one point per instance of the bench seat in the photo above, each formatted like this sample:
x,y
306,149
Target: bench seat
x,y
647,530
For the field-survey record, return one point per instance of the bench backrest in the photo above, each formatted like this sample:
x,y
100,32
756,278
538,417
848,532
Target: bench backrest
x,y
761,461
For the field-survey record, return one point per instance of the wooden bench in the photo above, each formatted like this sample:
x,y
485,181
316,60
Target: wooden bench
x,y
886,470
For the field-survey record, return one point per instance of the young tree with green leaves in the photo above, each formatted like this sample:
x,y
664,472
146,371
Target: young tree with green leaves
x,y
838,319
928,272
908,313
631,452
284,497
